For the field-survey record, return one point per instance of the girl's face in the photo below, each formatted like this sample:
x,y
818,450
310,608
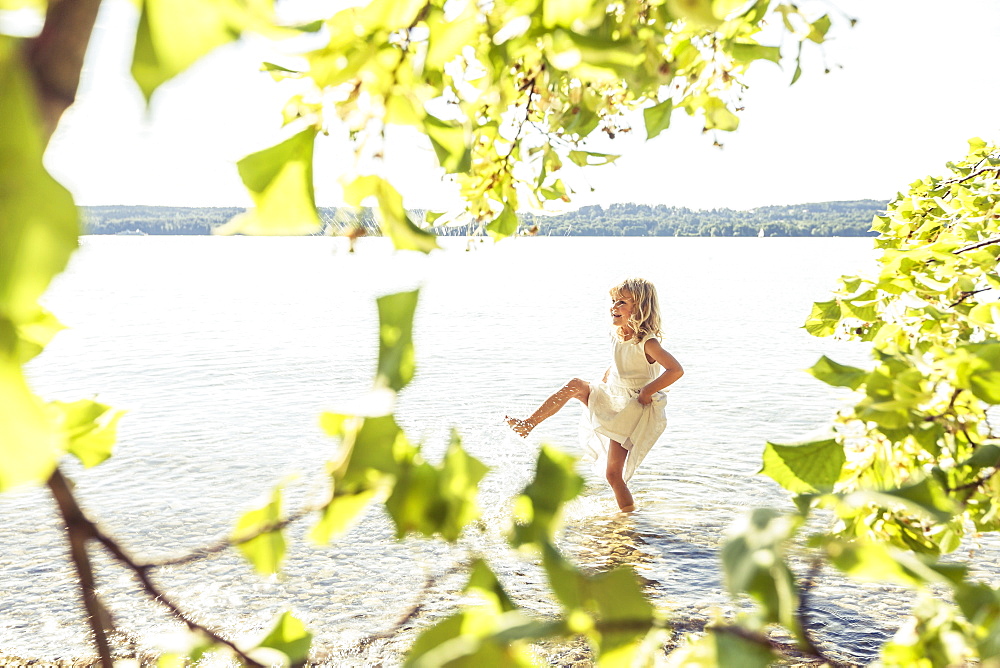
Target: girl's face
x,y
621,308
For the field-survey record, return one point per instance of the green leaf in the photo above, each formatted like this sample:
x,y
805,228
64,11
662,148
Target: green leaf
x,y
39,224
450,144
838,375
477,637
459,484
984,371
396,362
504,225
609,607
722,649
174,34
698,12
339,515
266,549
483,582
366,455
733,650
749,52
719,117
980,604
34,333
657,117
89,427
753,560
447,38
590,158
388,15
38,233
934,637
923,500
805,467
539,506
280,181
564,13
29,443
819,29
823,319
392,216
289,636
435,500
876,562
402,110
930,496
366,462
279,73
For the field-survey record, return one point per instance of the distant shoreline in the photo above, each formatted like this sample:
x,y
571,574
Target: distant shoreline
x,y
818,219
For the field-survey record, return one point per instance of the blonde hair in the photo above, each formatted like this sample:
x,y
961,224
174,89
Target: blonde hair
x,y
645,318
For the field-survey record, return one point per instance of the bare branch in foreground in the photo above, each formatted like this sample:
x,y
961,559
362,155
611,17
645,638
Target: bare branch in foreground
x,y
85,529
80,530
978,244
224,544
414,609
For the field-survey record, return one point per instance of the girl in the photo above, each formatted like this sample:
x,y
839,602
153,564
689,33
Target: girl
x,y
626,410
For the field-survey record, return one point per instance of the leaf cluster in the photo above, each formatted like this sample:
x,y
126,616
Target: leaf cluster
x,y
505,94
910,468
508,95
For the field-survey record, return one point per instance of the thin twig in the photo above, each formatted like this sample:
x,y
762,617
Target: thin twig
x,y
785,649
981,480
81,530
416,608
972,175
224,544
811,647
978,244
154,592
965,295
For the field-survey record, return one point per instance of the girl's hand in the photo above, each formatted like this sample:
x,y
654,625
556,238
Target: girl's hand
x,y
645,396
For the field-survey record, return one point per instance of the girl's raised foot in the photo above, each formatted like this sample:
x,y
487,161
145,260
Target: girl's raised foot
x,y
627,509
521,427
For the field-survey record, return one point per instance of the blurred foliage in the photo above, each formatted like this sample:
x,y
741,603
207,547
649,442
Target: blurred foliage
x,y
910,466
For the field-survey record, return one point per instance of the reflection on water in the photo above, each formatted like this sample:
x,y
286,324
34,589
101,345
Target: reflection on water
x,y
224,366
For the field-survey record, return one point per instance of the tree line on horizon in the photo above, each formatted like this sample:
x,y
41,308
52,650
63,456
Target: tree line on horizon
x,y
818,219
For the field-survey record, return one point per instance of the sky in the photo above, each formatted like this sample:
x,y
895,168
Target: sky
x,y
907,87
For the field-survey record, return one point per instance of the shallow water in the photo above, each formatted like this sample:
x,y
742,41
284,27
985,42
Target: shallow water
x,y
225,350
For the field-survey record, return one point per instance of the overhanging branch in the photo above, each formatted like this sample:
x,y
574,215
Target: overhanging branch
x,y
55,57
978,244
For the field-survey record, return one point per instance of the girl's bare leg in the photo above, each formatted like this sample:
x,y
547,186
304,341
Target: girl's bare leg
x,y
574,389
616,464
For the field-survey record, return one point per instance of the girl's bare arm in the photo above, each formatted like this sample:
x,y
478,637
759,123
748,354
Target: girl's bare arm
x,y
672,370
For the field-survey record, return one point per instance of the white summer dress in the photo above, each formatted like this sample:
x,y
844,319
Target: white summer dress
x,y
614,414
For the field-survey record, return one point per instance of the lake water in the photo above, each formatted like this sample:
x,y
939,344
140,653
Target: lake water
x,y
224,351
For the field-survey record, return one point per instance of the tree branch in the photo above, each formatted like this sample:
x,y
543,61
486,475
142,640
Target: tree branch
x,y
978,244
966,294
224,544
814,569
414,609
80,530
55,57
974,174
154,592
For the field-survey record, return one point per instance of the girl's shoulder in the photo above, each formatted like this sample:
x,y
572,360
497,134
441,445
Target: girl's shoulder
x,y
650,342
